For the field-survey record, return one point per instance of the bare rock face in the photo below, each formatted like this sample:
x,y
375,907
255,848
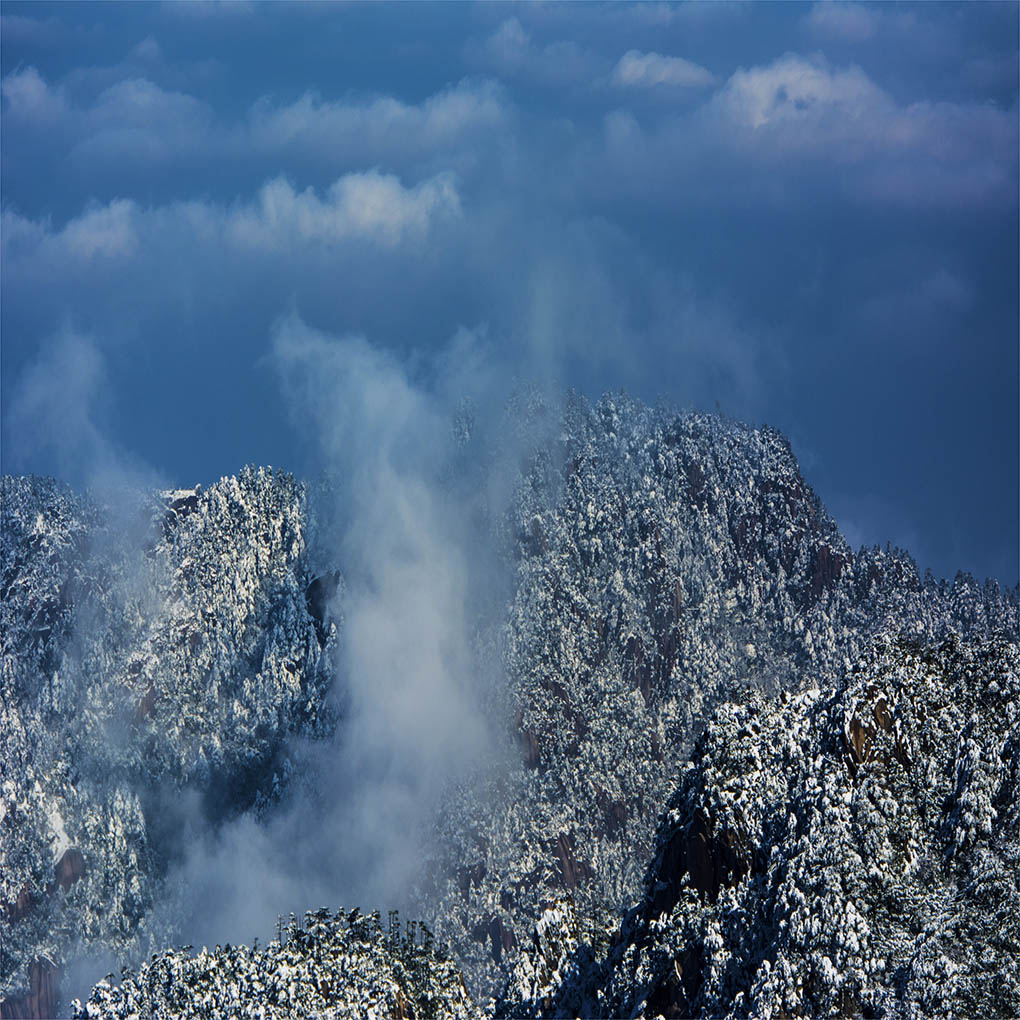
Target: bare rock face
x,y
572,870
20,906
41,1000
70,868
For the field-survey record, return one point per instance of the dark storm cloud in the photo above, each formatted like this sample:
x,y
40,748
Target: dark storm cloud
x,y
753,205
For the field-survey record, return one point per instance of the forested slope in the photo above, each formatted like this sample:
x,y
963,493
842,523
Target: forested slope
x,y
659,570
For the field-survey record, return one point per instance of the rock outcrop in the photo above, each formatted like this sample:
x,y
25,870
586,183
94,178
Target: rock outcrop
x,y
665,563
148,650
41,1000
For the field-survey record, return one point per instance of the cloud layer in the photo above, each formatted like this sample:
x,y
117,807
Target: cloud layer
x,y
751,206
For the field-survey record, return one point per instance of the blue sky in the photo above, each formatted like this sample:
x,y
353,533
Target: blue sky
x,y
804,215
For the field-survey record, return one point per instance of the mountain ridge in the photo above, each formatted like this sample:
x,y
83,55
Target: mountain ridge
x,y
663,565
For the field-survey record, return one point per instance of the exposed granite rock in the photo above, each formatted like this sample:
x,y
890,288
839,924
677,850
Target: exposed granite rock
x,y
41,999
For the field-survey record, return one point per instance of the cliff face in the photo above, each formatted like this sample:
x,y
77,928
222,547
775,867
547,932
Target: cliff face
x,y
851,852
663,566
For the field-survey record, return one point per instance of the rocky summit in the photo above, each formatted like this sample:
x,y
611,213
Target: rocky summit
x,y
737,768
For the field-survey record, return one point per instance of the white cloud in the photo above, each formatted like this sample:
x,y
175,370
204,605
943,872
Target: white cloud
x,y
29,97
803,124
796,90
147,243
147,51
850,22
382,125
18,29
139,104
649,69
371,206
55,397
411,682
59,404
509,44
510,51
134,120
919,153
105,230
130,103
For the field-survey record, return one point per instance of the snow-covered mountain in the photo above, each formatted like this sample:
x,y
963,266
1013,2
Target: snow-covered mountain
x,y
846,852
665,564
330,965
666,569
155,656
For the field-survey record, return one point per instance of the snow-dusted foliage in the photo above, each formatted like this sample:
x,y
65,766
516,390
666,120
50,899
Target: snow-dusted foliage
x,y
156,656
555,973
151,649
665,563
329,967
849,853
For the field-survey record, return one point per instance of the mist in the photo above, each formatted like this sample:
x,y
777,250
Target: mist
x,y
409,509
346,266
409,469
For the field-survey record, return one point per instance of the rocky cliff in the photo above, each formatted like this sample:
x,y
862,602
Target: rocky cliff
x,y
154,652
665,564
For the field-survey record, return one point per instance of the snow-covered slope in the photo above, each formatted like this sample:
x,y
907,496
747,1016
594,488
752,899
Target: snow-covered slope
x,y
149,649
855,852
330,967
156,656
665,563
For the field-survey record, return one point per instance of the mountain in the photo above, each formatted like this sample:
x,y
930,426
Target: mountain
x,y
665,564
331,965
671,581
854,852
155,656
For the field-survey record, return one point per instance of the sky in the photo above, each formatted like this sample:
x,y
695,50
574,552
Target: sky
x,y
801,215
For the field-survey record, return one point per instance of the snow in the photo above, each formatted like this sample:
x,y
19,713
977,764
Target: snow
x,y
666,576
61,840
